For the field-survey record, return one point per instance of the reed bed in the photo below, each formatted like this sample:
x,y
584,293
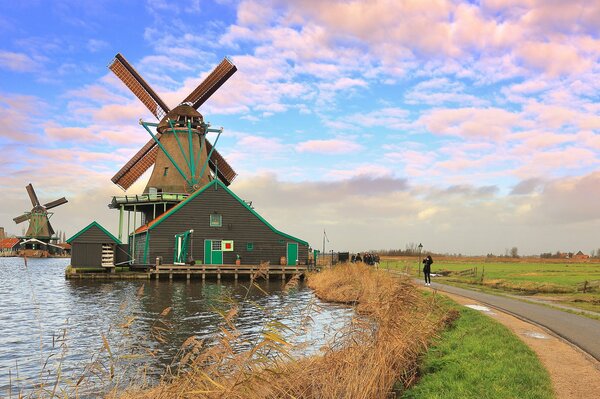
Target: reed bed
x,y
375,355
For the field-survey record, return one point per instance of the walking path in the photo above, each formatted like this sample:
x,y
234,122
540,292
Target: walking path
x,y
580,331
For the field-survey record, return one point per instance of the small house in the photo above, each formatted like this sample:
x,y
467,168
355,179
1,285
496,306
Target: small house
x,y
214,226
9,246
580,256
94,246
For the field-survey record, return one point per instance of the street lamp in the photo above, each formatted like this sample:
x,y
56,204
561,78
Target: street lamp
x,y
419,266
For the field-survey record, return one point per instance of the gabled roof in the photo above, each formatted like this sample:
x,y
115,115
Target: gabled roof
x,y
159,219
8,243
89,226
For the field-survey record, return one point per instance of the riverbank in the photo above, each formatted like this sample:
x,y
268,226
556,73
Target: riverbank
x,y
381,346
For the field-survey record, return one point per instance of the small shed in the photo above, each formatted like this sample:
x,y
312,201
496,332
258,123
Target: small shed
x,y
215,226
94,246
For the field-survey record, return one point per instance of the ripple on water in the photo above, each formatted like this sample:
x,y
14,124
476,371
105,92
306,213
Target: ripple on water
x,y
39,307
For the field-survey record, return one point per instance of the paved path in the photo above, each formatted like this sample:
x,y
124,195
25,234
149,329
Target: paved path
x,y
579,330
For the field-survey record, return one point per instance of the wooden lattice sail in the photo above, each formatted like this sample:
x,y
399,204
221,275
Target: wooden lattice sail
x,y
180,147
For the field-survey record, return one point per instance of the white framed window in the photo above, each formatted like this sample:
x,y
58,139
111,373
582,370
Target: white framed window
x,y
216,245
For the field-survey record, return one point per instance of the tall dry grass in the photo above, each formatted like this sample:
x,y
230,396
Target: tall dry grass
x,y
381,346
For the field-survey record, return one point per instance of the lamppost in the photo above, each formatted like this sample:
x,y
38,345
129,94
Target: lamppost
x,y
419,266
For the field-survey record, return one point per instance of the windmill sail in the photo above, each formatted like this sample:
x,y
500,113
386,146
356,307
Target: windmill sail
x,y
55,203
138,86
147,155
219,165
22,218
32,196
137,165
213,81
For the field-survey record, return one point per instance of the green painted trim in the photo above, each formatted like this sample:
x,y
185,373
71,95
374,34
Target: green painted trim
x,y
191,157
146,247
157,141
222,185
208,157
94,223
179,144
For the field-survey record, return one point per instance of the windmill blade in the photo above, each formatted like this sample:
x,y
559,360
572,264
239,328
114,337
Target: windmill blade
x,y
50,229
137,165
55,203
213,81
219,165
138,86
22,218
34,199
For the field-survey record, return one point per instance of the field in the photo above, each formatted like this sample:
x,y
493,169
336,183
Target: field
x,y
564,281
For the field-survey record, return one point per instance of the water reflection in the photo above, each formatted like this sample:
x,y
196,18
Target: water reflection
x,y
40,307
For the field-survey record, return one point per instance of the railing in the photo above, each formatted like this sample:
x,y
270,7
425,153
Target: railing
x,y
158,197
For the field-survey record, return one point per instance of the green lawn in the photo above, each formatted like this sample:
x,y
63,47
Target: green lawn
x,y
560,282
479,358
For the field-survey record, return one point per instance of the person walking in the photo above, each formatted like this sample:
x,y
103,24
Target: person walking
x,y
427,269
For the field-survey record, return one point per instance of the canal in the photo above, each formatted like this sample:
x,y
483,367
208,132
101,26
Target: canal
x,y
48,323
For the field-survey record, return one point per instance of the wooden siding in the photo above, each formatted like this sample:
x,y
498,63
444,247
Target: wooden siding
x,y
86,254
238,224
93,235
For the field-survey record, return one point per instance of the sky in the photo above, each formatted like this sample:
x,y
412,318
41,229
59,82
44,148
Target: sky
x,y
468,126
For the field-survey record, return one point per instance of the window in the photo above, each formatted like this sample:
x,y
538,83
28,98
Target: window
x,y
166,172
216,245
250,246
215,220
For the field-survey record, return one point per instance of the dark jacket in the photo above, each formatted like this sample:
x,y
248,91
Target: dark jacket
x,y
427,264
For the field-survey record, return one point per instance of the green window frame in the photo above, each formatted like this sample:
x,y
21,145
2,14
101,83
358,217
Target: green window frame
x,y
216,220
250,246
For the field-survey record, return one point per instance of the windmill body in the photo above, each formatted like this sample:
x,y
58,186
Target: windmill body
x,y
39,231
182,158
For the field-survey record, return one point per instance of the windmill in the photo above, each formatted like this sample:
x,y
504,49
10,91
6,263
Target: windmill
x,y
39,217
179,151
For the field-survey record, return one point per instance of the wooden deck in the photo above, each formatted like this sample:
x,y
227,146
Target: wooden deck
x,y
234,271
198,272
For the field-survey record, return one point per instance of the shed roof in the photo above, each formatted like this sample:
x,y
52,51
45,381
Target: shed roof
x,y
159,219
8,243
89,226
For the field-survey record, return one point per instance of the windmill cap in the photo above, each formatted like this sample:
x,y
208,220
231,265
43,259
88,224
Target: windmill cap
x,y
179,116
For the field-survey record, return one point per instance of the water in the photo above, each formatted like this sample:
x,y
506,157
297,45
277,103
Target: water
x,y
47,321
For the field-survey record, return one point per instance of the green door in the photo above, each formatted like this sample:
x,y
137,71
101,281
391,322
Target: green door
x,y
182,243
292,253
213,254
207,252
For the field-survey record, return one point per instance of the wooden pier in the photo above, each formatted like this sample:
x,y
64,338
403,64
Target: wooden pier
x,y
202,272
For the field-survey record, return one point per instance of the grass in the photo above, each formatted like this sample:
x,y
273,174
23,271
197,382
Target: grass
x,y
479,358
557,281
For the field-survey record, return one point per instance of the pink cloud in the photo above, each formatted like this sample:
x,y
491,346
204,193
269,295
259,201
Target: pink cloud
x,y
471,123
553,58
542,163
333,146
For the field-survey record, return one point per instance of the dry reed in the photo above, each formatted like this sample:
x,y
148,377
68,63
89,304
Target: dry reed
x,y
381,346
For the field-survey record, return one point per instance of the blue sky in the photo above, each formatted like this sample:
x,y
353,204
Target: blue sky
x,y
472,127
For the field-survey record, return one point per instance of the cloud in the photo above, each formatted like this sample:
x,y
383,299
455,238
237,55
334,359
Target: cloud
x,y
333,146
471,123
18,62
553,58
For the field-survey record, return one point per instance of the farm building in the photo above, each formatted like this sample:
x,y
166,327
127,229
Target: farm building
x,y
9,246
580,256
214,226
94,246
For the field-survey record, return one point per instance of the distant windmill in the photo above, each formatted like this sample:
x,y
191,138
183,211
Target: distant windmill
x,y
179,150
39,217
